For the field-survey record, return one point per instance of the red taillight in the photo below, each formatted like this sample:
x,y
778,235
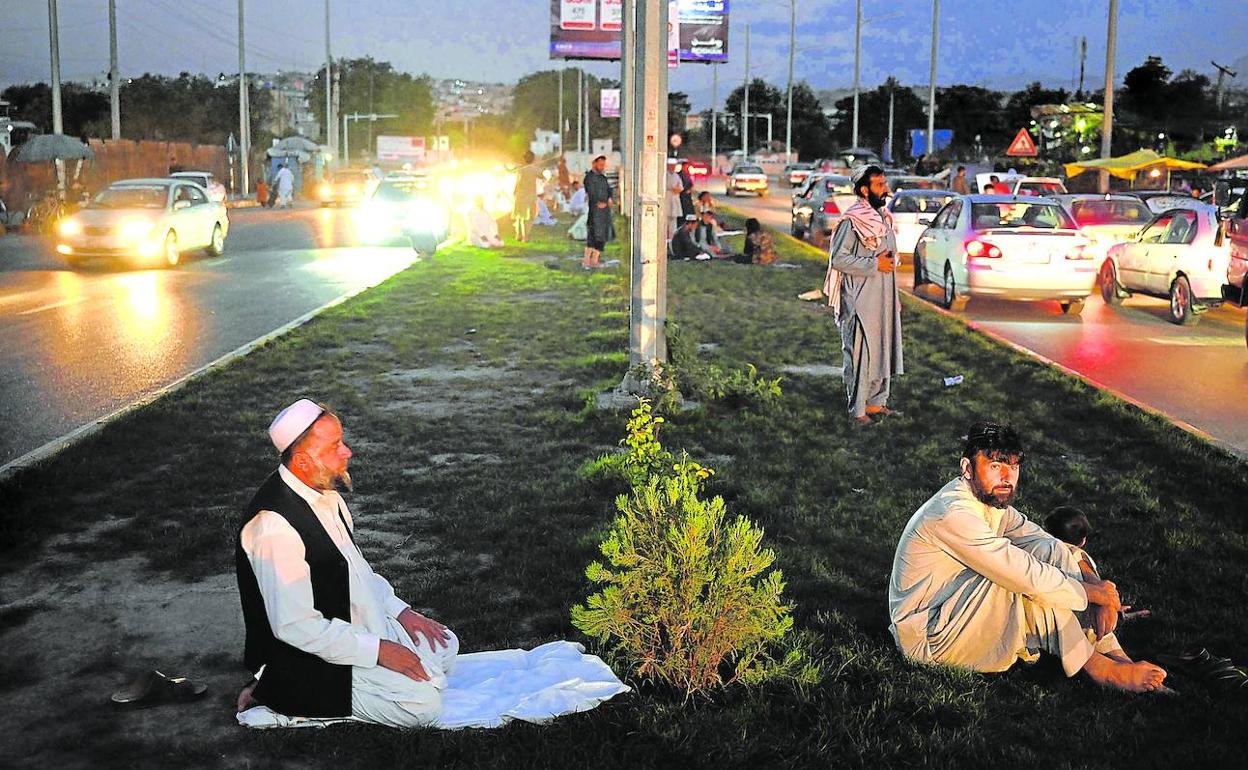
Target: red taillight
x,y
1079,252
830,207
982,249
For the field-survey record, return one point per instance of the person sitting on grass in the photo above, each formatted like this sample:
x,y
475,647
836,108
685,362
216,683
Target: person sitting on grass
x,y
759,248
483,228
705,203
684,245
326,636
1070,525
705,236
976,585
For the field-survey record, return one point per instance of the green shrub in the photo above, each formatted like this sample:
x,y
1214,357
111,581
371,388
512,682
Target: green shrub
x,y
687,372
687,599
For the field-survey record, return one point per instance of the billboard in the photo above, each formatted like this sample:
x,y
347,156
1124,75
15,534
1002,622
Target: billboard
x,y
610,103
590,29
401,149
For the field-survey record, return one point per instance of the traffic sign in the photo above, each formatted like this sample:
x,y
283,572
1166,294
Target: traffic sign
x,y
1022,144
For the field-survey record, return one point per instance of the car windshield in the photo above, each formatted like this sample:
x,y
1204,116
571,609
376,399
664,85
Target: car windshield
x,y
1042,188
400,191
1103,212
199,179
919,204
839,185
131,197
748,170
1047,216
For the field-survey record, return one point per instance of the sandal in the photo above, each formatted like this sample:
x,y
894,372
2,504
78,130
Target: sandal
x,y
1219,673
152,688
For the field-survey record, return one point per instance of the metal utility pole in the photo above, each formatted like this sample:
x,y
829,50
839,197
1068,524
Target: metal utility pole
x,y
891,151
561,111
580,108
647,346
331,124
788,120
114,84
931,86
857,62
54,42
714,115
337,96
628,138
1222,73
745,103
587,142
244,111
372,118
1107,127
1083,59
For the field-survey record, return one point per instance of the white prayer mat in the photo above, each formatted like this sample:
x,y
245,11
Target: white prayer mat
x,y
490,689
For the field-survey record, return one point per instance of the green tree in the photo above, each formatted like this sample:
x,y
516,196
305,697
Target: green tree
x,y
1146,91
367,86
1018,106
765,99
677,110
535,104
908,112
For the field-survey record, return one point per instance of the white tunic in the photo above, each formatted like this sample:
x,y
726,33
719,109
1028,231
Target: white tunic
x,y
981,587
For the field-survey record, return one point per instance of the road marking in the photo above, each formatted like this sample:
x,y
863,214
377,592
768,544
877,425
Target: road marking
x,y
1206,341
53,306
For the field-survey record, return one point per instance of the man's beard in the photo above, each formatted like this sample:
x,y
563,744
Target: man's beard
x,y
876,201
988,497
342,482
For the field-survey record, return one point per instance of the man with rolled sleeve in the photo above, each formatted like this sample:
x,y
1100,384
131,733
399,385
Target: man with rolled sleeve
x,y
326,636
977,585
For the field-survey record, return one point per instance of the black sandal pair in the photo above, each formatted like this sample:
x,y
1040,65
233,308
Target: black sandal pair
x,y
1220,674
152,688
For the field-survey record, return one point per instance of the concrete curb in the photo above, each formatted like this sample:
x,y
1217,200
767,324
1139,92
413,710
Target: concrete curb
x,y
56,445
242,204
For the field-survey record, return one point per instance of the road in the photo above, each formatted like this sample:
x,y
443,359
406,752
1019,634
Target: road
x,y
80,344
1198,375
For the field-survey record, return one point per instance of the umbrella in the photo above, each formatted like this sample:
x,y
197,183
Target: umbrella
x,y
1126,166
45,147
1232,164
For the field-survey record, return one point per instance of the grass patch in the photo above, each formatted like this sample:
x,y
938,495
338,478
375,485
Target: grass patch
x,y
468,447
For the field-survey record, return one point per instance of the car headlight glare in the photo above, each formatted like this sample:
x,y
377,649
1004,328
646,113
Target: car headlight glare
x,y
70,227
136,229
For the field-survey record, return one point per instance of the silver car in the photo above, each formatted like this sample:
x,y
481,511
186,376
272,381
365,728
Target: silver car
x,y
819,205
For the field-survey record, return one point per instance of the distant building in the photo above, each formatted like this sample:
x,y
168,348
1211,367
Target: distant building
x,y
292,114
462,100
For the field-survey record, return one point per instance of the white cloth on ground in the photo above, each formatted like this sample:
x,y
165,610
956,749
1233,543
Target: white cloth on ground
x,y
489,689
543,213
483,229
579,230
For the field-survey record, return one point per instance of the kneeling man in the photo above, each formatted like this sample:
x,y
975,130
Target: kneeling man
x,y
977,585
326,636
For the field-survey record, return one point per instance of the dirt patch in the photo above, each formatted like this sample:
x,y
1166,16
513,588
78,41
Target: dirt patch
x,y
814,370
432,374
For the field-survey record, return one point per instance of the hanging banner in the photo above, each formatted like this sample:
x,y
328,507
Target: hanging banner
x,y
609,104
673,34
590,29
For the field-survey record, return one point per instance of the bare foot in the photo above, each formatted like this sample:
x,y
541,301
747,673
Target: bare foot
x,y
245,701
1129,677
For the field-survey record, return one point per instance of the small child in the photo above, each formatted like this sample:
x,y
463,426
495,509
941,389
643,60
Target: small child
x,y
1070,525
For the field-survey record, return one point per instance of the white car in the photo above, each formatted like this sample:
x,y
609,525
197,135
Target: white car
x,y
747,177
1183,254
215,190
1107,218
148,220
1022,185
913,211
1006,246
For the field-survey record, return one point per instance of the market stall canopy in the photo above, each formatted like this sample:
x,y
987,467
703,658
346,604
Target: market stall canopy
x,y
1127,166
45,147
1231,164
294,147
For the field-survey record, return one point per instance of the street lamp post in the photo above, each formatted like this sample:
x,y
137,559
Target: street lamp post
x,y
372,117
788,120
931,86
714,115
244,110
857,61
114,87
1107,127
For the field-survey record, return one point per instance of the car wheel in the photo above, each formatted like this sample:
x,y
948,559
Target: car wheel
x,y
1182,310
172,255
216,247
762,193
949,297
1108,280
1072,307
919,277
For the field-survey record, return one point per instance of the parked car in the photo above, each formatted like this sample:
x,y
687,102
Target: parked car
x,y
903,181
819,205
697,169
215,190
797,173
405,209
1007,247
347,186
1159,201
913,211
145,219
1018,184
1182,254
747,177
1106,219
1236,289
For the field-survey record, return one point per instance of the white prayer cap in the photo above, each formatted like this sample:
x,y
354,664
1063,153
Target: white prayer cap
x,y
859,172
691,217
292,421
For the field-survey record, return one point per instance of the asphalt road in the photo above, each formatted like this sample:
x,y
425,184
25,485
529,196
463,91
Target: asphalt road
x,y
78,344
1197,374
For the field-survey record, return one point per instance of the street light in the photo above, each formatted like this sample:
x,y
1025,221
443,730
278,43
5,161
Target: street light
x,y
372,117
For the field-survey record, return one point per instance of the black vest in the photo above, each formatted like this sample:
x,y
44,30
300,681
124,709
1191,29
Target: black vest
x,y
295,683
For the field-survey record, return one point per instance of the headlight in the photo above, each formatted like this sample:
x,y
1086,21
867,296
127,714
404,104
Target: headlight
x,y
324,191
352,189
136,229
427,213
70,227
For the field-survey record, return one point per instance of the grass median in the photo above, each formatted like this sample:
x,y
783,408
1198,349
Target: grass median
x,y
465,384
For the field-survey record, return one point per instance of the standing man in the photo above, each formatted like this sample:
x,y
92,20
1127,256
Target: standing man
x,y
862,290
284,181
675,185
600,228
686,190
525,196
326,636
977,585
959,182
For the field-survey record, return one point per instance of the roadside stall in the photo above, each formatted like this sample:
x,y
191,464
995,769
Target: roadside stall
x,y
1142,169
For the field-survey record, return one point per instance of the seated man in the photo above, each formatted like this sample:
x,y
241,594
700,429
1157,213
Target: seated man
x,y
683,244
707,239
578,203
976,585
483,228
326,636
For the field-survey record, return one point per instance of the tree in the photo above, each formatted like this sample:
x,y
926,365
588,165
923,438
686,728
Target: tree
x,y
908,112
535,104
1018,106
1147,90
812,132
677,110
765,99
368,86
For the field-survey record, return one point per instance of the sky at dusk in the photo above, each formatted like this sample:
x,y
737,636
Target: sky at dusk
x,y
1002,44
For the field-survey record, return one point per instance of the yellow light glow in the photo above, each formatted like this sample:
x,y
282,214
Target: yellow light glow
x,y
136,229
70,227
324,191
62,248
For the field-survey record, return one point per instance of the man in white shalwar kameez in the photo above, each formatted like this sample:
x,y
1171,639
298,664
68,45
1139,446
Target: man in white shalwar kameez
x,y
326,636
284,181
975,584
